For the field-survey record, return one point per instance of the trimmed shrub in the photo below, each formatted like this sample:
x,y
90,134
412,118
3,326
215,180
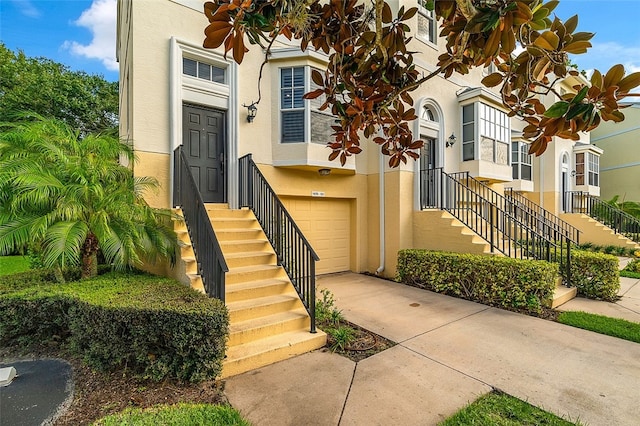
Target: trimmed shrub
x,y
497,281
155,327
595,275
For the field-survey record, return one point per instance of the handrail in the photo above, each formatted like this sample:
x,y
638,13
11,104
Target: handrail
x,y
544,218
621,222
294,252
543,221
504,231
211,264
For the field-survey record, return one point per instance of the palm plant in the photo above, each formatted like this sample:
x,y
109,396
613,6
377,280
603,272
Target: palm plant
x,y
72,197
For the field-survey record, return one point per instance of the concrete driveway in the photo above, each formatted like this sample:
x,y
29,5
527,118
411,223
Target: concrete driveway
x,y
449,352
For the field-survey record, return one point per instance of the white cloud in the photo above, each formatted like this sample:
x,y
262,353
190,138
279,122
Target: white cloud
x,y
604,55
26,8
100,19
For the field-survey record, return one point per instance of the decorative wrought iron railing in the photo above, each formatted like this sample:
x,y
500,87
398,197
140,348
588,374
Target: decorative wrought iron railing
x,y
541,218
621,222
294,252
484,213
211,264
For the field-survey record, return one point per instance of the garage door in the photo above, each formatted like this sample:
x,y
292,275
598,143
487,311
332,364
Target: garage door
x,y
326,224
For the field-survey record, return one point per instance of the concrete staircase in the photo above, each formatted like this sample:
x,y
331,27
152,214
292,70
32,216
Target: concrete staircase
x,y
268,322
439,230
596,232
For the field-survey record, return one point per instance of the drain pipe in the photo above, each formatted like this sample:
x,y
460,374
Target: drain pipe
x,y
381,199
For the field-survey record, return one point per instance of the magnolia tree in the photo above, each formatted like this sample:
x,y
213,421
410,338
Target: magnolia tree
x,y
370,73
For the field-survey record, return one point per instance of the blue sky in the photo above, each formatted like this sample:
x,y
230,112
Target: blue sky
x,y
81,33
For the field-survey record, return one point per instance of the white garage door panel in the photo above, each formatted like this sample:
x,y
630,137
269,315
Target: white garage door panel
x,y
326,224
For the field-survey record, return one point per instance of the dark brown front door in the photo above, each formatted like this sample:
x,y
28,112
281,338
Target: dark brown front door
x,y
203,141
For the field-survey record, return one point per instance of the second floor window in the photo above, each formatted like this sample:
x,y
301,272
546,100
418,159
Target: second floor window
x,y
521,161
301,120
589,173
427,27
486,134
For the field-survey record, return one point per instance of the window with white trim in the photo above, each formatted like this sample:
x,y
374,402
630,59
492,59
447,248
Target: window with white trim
x,y
594,169
521,161
203,71
427,25
580,169
489,129
301,120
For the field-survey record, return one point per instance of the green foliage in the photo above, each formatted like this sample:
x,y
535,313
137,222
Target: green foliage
x,y
595,275
630,207
326,312
341,337
633,266
499,409
83,101
13,264
155,327
179,414
615,250
70,197
601,324
497,281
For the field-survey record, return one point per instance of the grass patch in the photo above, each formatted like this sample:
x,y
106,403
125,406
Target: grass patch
x,y
629,274
503,410
13,264
179,414
615,327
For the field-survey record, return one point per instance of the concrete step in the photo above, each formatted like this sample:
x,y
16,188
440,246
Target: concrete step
x,y
263,352
248,245
230,214
196,283
234,234
254,273
242,332
562,295
190,264
216,206
236,260
232,223
261,288
244,310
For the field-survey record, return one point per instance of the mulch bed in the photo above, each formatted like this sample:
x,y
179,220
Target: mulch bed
x,y
365,344
99,394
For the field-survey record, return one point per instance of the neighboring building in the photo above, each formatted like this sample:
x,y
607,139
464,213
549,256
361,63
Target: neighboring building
x,y
620,162
176,93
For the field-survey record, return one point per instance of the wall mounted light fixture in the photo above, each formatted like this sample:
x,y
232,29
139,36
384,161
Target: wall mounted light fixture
x,y
452,140
324,172
252,110
573,173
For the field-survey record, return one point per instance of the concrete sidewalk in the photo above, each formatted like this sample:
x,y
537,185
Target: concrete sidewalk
x,y
449,352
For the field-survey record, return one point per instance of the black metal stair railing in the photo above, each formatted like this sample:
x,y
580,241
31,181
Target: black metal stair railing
x,y
621,222
536,217
211,264
294,252
487,217
541,218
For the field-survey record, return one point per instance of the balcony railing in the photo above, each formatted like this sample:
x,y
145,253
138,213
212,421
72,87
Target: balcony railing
x,y
611,216
484,213
211,264
294,252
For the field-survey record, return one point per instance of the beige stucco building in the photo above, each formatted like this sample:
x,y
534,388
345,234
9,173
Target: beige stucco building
x,y
620,162
174,93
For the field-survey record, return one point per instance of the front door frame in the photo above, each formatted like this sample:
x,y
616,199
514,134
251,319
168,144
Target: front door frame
x,y
185,89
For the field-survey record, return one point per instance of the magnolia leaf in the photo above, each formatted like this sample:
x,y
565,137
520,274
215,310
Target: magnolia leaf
x,y
614,75
557,110
316,76
577,47
492,80
596,79
629,82
580,95
577,110
386,13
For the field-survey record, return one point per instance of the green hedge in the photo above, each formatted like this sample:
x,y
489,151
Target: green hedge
x,y
155,327
497,281
595,275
